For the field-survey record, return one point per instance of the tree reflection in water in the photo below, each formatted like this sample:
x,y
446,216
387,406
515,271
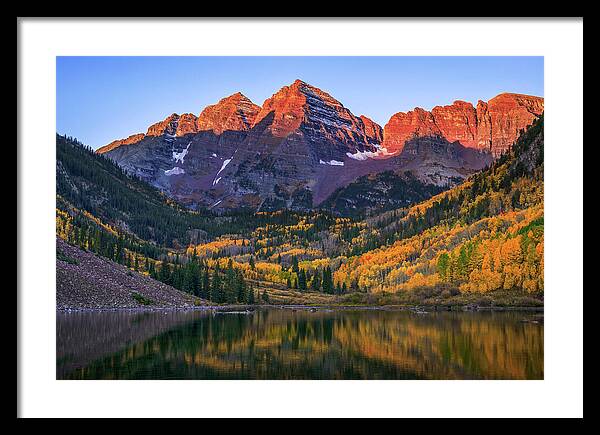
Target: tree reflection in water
x,y
286,344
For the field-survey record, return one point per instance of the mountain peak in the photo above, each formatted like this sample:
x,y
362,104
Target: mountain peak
x,y
166,126
235,112
301,87
316,115
298,83
237,97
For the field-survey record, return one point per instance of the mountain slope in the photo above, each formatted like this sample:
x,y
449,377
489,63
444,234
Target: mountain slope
x,y
485,235
94,189
84,280
375,193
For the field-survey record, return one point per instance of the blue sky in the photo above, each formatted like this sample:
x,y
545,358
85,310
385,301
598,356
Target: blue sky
x,y
100,99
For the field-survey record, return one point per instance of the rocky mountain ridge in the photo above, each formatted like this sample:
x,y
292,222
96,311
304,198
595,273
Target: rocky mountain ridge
x,y
491,126
302,145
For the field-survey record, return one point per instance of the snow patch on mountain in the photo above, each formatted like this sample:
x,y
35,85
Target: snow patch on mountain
x,y
225,163
178,157
331,163
223,166
364,155
175,171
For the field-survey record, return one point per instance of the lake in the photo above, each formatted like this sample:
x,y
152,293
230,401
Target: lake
x,y
276,343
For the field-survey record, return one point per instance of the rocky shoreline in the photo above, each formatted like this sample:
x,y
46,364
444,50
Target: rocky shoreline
x,y
85,281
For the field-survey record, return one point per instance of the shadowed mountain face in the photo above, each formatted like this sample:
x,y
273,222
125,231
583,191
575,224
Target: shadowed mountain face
x,y
303,145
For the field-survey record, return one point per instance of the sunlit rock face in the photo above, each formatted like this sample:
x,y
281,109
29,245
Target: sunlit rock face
x,y
330,128
167,126
186,124
404,126
302,145
457,122
373,131
491,126
503,117
235,112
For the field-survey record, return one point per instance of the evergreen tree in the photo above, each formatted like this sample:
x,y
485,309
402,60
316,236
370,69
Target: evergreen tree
x,y
443,264
241,288
315,284
327,281
191,278
206,291
251,299
216,291
164,274
302,280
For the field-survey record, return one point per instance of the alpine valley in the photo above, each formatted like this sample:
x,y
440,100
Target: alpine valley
x,y
300,201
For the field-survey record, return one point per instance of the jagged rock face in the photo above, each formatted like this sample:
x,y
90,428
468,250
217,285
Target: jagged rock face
x,y
174,125
166,126
373,131
435,160
303,109
235,112
186,124
404,126
492,126
504,117
303,145
457,122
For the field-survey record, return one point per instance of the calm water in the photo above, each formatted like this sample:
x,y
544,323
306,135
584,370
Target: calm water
x,y
286,344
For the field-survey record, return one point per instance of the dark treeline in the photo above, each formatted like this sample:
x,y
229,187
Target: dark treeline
x,y
216,285
319,280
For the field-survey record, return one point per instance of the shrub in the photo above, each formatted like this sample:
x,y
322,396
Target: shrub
x,y
141,299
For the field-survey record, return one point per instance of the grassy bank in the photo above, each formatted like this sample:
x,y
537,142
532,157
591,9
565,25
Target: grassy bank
x,y
428,297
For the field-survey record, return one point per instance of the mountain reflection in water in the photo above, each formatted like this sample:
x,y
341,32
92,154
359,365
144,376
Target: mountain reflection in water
x,y
286,344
